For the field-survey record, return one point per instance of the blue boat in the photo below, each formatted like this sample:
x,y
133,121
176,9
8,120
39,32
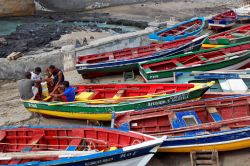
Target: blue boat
x,y
181,30
235,81
216,122
74,146
223,20
93,69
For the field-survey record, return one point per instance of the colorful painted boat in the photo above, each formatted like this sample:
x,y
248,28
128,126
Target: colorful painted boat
x,y
223,20
128,59
221,124
181,30
103,112
243,12
228,57
225,81
41,145
237,35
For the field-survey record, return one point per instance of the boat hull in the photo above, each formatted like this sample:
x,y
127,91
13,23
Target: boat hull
x,y
156,36
223,21
221,141
138,152
104,112
229,37
86,70
221,26
243,17
216,67
140,156
235,61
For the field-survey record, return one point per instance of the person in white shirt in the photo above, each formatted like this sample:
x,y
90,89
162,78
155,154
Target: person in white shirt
x,y
36,75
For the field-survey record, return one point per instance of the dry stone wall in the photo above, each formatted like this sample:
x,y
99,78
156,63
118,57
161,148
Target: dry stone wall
x,y
16,7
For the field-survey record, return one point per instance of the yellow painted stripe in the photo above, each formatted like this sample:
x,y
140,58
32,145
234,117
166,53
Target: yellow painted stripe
x,y
73,115
219,147
211,45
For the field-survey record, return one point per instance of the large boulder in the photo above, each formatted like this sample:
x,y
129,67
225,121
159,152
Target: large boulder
x,y
16,7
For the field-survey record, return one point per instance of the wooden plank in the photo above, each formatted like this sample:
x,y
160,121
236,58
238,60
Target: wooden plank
x,y
119,94
211,110
41,154
2,135
74,144
39,135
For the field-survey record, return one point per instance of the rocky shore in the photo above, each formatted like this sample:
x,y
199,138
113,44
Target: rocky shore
x,y
30,37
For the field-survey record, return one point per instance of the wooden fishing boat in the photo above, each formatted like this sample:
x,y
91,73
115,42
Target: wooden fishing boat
x,y
212,123
223,20
243,12
128,58
41,145
228,57
181,30
237,35
118,98
225,81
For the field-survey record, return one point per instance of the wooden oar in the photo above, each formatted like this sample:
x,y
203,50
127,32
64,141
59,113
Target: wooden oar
x,y
43,154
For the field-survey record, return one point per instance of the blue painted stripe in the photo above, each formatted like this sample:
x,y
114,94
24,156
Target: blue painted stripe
x,y
96,159
214,137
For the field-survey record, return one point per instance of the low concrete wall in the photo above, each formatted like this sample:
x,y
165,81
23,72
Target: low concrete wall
x,y
76,5
134,39
16,7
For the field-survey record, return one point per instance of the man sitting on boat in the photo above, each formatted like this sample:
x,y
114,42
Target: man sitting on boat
x,y
58,77
27,88
67,95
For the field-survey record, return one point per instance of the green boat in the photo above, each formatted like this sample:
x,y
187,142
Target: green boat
x,y
228,57
103,112
237,35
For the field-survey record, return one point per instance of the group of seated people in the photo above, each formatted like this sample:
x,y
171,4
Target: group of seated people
x,y
58,89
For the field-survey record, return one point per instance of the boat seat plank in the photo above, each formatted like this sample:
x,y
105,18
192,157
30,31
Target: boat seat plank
x,y
2,135
214,114
119,94
32,142
74,144
84,96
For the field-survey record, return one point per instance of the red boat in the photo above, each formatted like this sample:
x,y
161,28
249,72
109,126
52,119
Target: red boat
x,y
237,35
131,53
216,122
41,145
127,59
223,21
